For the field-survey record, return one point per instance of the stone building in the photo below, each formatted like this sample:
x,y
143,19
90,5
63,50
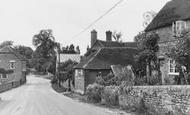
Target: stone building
x,y
171,20
10,60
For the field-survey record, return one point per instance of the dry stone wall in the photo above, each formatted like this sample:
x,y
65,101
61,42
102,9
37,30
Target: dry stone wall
x,y
161,99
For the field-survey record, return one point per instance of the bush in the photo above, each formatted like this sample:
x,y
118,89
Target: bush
x,y
94,92
54,80
110,95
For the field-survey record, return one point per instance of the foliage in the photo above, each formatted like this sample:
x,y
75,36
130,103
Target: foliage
x,y
117,36
125,75
54,80
44,55
180,52
110,95
147,58
26,52
70,49
94,92
68,69
6,43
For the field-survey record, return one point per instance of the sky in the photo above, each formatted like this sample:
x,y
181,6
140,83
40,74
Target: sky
x,y
21,19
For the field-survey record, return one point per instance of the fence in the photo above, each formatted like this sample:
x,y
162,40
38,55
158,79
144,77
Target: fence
x,y
11,85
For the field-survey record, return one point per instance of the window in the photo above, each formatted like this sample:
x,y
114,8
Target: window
x,y
178,27
172,67
3,76
12,64
78,72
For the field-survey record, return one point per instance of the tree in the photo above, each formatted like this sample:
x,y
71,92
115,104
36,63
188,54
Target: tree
x,y
6,43
147,58
78,49
26,52
45,54
72,49
117,36
68,69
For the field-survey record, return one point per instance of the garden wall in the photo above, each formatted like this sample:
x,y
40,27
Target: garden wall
x,y
161,99
8,86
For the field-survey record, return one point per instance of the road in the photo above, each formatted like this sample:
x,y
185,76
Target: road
x,y
37,97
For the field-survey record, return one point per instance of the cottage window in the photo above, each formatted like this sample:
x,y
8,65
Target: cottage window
x,y
78,72
178,27
12,64
3,76
172,67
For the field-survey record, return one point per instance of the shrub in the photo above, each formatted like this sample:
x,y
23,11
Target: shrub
x,y
94,92
100,80
110,95
54,80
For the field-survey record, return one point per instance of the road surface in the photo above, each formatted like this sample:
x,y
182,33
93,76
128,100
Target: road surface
x,y
37,97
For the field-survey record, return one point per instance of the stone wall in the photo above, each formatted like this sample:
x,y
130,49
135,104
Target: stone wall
x,y
161,99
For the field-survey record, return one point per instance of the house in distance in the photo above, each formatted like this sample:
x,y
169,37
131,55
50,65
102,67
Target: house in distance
x,y
12,66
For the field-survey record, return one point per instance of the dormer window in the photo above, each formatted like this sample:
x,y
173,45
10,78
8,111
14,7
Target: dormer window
x,y
178,27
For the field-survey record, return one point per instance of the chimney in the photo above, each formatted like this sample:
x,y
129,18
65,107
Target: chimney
x,y
108,36
93,37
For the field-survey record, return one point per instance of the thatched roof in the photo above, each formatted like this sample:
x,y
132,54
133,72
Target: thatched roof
x,y
173,11
105,57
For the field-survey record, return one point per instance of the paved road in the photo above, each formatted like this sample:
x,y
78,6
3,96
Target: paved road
x,y
36,97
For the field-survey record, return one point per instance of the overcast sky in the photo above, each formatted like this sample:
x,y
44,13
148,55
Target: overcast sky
x,y
21,19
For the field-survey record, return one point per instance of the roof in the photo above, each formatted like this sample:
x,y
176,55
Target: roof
x,y
116,44
73,57
173,11
105,57
10,50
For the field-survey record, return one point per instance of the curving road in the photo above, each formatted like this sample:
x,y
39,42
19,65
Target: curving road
x,y
36,97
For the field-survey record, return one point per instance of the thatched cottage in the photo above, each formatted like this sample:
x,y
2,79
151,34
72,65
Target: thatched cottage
x,y
171,20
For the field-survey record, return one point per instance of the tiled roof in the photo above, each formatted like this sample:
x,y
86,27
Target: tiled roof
x,y
105,57
117,44
9,49
173,11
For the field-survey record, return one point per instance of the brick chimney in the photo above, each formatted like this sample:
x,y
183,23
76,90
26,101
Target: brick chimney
x,y
93,37
108,36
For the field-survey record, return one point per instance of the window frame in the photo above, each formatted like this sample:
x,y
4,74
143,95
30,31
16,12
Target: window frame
x,y
1,76
177,27
172,70
12,66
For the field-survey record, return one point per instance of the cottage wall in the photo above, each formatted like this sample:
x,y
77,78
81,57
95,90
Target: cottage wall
x,y
79,81
88,77
5,63
166,42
